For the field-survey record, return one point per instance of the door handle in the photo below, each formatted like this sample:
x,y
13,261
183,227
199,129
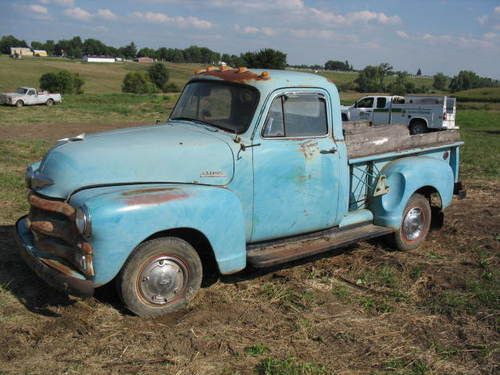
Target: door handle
x,y
333,150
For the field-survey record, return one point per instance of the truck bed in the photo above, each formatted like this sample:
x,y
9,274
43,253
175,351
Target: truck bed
x,y
370,148
363,139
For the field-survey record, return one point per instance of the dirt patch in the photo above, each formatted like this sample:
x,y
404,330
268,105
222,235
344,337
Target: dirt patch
x,y
360,310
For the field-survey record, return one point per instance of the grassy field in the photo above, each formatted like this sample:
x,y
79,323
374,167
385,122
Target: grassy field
x,y
361,310
99,78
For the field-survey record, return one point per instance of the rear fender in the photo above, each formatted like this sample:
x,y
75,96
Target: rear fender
x,y
406,176
123,217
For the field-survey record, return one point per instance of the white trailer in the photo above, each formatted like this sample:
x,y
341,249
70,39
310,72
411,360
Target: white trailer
x,y
421,113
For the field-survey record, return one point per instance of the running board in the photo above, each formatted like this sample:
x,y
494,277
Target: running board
x,y
282,251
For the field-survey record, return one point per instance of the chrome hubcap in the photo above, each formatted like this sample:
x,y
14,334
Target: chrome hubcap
x,y
413,224
162,280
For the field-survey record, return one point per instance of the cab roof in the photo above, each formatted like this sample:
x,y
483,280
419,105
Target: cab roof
x,y
264,79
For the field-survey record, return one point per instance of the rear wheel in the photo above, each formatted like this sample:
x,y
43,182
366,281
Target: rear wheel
x,y
418,127
161,276
415,224
49,102
19,103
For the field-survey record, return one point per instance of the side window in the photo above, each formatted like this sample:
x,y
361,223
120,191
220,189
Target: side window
x,y
31,92
381,102
365,103
275,126
298,115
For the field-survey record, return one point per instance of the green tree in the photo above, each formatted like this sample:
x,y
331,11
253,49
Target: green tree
x,y
137,83
129,51
440,81
467,79
267,58
401,85
146,52
8,41
63,82
158,74
372,78
337,65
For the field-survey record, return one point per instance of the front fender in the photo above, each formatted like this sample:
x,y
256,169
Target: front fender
x,y
404,177
123,217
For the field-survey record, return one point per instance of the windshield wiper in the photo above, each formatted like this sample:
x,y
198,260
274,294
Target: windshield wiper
x,y
201,122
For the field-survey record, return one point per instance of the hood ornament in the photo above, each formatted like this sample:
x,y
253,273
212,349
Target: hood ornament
x,y
79,137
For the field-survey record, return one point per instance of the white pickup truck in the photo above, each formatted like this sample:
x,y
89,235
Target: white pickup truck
x,y
29,96
421,113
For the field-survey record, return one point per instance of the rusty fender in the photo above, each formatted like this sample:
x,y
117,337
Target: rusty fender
x,y
124,217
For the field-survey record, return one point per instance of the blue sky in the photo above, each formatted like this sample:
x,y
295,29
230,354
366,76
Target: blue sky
x,y
436,36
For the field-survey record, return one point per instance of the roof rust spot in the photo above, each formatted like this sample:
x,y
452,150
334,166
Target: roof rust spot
x,y
239,75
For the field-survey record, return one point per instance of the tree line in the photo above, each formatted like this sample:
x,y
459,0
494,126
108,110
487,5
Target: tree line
x,y
373,78
376,79
76,48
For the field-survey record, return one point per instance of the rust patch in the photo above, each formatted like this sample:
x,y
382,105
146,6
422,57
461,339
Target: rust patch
x,y
59,266
146,191
241,75
309,149
55,228
153,196
51,205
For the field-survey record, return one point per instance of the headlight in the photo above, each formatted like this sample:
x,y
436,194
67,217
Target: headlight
x,y
82,221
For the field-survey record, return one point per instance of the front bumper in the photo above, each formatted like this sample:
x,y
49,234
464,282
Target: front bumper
x,y
54,273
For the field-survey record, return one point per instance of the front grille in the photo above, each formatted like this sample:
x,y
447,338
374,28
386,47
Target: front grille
x,y
52,223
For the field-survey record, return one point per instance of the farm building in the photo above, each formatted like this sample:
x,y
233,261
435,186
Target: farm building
x,y
99,59
40,53
145,60
20,51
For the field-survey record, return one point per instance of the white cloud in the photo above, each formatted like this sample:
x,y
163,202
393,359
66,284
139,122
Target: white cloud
x,y
35,11
38,9
489,35
64,3
78,14
461,41
267,31
497,10
179,21
402,34
106,14
482,19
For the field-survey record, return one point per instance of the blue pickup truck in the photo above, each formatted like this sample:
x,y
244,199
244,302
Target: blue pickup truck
x,y
252,168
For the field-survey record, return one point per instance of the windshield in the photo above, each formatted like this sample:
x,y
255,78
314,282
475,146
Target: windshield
x,y
222,104
21,90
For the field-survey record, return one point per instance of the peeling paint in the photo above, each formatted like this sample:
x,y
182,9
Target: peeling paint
x,y
152,196
309,149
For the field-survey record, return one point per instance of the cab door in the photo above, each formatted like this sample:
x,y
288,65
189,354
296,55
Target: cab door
x,y
365,108
381,111
296,167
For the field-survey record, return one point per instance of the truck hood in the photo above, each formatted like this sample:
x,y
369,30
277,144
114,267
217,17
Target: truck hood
x,y
175,152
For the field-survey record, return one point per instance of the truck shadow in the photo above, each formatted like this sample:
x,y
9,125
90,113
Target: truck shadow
x,y
16,278
19,280
252,273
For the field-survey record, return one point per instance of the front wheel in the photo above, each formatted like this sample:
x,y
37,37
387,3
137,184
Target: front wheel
x,y
49,102
415,224
19,103
161,276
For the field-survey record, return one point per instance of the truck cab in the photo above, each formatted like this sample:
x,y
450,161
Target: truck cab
x,y
252,167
